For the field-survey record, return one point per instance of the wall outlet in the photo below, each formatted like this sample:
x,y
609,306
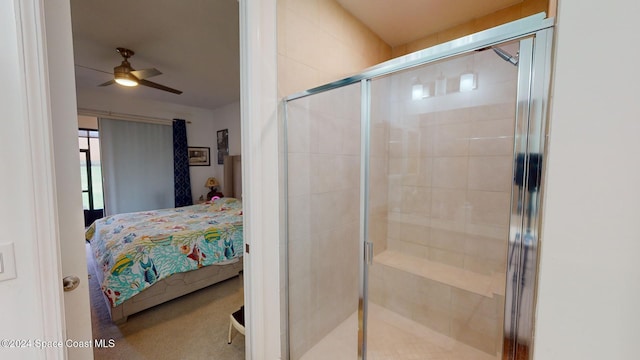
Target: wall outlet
x,y
7,262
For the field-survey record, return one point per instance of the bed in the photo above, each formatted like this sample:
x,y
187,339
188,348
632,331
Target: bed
x,y
145,258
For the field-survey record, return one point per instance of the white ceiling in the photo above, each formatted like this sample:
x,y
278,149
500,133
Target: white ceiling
x,y
195,43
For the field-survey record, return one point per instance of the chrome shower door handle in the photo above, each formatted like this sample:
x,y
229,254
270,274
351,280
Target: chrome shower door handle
x,y
368,253
70,282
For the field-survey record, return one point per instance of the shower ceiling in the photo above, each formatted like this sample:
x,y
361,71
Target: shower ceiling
x,y
400,22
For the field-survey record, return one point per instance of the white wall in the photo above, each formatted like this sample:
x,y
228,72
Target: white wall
x,y
589,283
225,117
201,132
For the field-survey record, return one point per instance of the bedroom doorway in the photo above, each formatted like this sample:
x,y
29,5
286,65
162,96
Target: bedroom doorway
x,y
90,175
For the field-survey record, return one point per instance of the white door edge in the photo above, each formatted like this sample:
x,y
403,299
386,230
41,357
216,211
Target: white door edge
x,y
47,266
259,126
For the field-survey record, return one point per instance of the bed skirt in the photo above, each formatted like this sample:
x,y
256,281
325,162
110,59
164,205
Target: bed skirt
x,y
170,288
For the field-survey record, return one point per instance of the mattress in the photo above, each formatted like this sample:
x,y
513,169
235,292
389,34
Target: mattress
x,y
133,251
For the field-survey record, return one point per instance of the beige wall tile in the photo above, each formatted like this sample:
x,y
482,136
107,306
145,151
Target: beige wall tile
x,y
412,142
425,171
427,138
499,111
413,46
406,247
281,30
410,170
416,200
451,172
299,174
447,257
484,341
393,229
466,305
488,207
298,129
447,240
300,221
300,37
332,17
495,93
452,139
416,234
435,295
379,140
378,234
499,17
449,205
487,230
484,266
455,32
486,248
310,29
324,173
297,77
396,143
399,50
492,137
437,320
490,173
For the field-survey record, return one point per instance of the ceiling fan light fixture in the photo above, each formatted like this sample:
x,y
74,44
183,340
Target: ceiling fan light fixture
x,y
126,75
126,79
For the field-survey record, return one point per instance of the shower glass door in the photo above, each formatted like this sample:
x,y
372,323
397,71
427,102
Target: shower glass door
x,y
412,202
441,170
323,216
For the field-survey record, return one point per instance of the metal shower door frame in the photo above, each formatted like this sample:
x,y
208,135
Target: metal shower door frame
x,y
534,69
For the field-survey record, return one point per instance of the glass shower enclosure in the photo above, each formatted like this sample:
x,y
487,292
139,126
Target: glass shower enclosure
x,y
412,195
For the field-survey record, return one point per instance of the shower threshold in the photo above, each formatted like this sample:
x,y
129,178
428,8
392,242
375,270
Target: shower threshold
x,y
392,337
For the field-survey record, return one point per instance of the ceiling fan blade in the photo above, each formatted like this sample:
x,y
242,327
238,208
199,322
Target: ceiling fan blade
x,y
158,86
145,73
90,68
112,81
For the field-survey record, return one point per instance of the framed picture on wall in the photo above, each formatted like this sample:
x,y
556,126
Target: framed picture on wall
x,y
199,156
223,144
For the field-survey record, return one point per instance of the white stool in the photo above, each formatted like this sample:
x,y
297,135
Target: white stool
x,y
236,320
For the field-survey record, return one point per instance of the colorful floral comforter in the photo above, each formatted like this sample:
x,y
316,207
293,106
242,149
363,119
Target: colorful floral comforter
x,y
135,250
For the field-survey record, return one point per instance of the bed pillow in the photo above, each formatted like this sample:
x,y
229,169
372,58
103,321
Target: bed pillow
x,y
225,204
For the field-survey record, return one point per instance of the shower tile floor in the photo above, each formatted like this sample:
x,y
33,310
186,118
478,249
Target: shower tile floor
x,y
392,337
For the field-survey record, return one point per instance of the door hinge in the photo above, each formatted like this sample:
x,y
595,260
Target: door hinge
x,y
246,248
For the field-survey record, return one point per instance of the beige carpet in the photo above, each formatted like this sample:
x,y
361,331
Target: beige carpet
x,y
194,326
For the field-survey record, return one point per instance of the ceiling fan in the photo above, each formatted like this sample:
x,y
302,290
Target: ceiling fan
x,y
125,75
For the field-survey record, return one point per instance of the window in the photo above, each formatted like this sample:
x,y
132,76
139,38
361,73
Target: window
x,y
90,175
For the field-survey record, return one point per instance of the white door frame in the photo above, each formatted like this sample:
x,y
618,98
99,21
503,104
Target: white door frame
x,y
260,153
260,161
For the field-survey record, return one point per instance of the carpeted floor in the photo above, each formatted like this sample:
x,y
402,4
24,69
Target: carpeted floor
x,y
194,326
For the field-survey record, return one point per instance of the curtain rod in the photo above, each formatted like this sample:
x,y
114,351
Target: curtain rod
x,y
129,117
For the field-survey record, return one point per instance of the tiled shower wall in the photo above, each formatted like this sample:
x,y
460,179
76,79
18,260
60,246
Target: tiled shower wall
x,y
450,165
319,42
448,173
323,133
